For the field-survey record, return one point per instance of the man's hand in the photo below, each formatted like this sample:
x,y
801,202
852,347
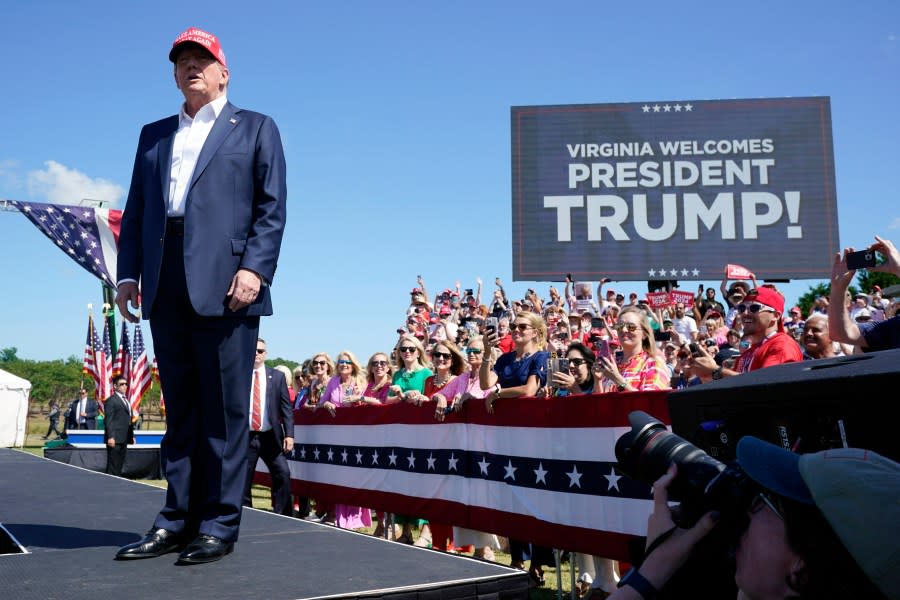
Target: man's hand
x,y
288,445
244,289
891,256
126,294
111,442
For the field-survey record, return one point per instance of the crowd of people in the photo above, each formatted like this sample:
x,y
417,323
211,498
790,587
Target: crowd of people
x,y
455,348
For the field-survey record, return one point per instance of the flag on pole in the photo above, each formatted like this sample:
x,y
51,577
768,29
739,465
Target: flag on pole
x,y
90,236
93,356
103,360
139,382
122,364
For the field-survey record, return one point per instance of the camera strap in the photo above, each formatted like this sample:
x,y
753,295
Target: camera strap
x,y
659,540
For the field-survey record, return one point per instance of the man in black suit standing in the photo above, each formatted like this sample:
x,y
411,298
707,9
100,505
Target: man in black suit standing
x,y
271,431
118,430
82,413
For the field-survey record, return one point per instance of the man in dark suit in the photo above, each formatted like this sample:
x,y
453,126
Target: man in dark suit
x,y
201,232
118,431
83,411
271,431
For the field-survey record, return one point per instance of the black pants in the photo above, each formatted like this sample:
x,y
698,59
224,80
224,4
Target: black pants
x,y
115,459
264,445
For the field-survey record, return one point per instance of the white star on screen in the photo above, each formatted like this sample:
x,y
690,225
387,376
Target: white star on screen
x,y
645,108
652,272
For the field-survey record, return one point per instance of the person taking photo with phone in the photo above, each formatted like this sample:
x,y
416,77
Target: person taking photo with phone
x,y
640,367
871,335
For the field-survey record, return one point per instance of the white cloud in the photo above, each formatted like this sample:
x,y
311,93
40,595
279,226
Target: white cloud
x,y
62,185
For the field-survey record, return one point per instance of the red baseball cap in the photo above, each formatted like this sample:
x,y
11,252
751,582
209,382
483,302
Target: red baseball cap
x,y
208,41
769,297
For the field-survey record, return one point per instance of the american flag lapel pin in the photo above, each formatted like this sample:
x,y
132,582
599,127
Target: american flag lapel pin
x,y
232,120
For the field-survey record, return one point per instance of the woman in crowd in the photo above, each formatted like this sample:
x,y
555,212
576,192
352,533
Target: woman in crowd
x,y
289,379
345,389
378,379
455,394
408,383
521,372
449,364
640,368
817,342
322,369
716,328
577,378
300,384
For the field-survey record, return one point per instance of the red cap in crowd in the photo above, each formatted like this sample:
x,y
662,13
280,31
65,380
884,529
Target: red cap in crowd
x,y
796,309
769,297
202,38
610,293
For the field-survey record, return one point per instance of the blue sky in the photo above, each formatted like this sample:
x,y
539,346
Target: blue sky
x,y
396,124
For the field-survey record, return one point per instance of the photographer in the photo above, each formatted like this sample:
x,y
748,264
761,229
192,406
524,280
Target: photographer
x,y
822,525
874,335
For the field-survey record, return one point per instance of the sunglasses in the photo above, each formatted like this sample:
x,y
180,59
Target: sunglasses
x,y
121,384
319,363
442,355
752,308
379,363
260,350
763,499
520,327
344,362
632,327
407,349
298,377
474,350
577,362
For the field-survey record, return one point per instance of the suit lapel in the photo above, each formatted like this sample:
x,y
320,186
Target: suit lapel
x,y
164,158
224,125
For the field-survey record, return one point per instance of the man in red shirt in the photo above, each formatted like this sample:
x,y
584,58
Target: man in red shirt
x,y
760,312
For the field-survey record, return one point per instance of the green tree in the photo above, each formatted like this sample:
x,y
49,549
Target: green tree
x,y
9,354
869,279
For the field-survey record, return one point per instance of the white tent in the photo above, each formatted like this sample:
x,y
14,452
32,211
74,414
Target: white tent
x,y
14,393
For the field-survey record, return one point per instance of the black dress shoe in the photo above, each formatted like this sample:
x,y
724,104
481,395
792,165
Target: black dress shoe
x,y
156,543
204,549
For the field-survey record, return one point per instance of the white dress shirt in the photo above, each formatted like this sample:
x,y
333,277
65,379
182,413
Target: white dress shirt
x,y
188,143
265,425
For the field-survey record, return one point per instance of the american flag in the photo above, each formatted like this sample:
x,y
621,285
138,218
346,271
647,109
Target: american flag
x,y
139,382
90,236
122,364
94,362
541,470
103,360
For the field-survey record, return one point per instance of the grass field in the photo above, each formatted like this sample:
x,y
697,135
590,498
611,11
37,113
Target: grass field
x,y
37,426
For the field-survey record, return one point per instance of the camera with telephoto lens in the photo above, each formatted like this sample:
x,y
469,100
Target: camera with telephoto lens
x,y
701,484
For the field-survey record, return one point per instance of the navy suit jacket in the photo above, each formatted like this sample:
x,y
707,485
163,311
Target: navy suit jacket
x,y
234,217
279,408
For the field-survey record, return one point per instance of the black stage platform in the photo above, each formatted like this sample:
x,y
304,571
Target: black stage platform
x,y
71,521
